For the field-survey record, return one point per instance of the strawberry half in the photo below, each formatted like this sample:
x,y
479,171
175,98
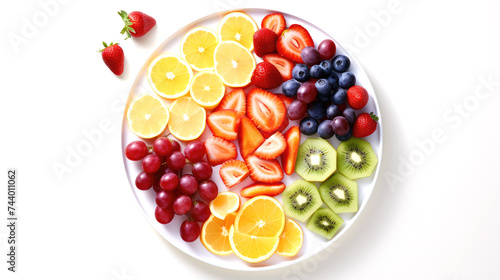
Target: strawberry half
x,y
264,170
233,172
285,66
249,137
224,123
234,100
265,75
264,41
263,189
272,147
219,150
289,156
292,41
265,109
282,127
275,21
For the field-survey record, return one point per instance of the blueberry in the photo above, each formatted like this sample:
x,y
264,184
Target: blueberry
x,y
316,72
347,80
326,66
323,97
323,86
334,81
316,110
350,115
345,137
341,63
325,129
301,72
308,126
333,111
339,96
290,87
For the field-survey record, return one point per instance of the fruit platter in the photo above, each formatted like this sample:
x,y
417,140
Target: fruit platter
x,y
251,139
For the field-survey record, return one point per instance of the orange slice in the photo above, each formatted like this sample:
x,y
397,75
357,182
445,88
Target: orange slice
x,y
261,216
251,248
290,240
215,234
224,203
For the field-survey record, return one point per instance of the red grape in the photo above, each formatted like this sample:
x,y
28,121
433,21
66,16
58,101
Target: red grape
x,y
156,186
327,49
188,184
151,163
176,147
310,56
165,199
144,181
169,181
340,126
208,190
195,151
182,204
162,146
176,161
307,92
297,110
190,230
164,215
136,150
202,170
200,211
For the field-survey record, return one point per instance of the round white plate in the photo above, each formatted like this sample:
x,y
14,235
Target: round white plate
x,y
313,243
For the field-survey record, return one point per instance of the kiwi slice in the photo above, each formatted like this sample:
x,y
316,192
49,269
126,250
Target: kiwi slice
x,y
340,194
325,223
356,159
301,199
316,160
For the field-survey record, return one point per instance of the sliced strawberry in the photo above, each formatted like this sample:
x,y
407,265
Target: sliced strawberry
x,y
234,100
264,170
292,41
263,189
289,156
224,123
249,137
287,100
282,127
275,21
285,66
233,172
265,109
272,147
219,150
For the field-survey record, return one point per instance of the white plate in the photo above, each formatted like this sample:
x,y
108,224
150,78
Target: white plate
x,y
313,243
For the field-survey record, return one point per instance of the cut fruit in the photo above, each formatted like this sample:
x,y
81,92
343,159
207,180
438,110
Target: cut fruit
x,y
282,127
285,66
219,150
187,119
272,147
234,64
233,172
325,223
292,41
249,137
170,76
316,160
257,189
147,116
261,216
224,123
215,234
224,203
340,194
289,156
238,27
266,110
234,100
264,170
251,248
197,48
207,89
301,199
275,21
356,159
290,240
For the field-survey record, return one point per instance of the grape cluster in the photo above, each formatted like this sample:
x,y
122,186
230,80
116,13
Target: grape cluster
x,y
176,193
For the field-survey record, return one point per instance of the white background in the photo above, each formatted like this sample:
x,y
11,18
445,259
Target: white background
x,y
430,217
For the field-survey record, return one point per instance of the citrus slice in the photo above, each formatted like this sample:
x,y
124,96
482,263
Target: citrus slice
x,y
234,64
251,248
169,76
290,240
207,89
147,116
215,234
197,48
224,203
187,119
261,216
238,27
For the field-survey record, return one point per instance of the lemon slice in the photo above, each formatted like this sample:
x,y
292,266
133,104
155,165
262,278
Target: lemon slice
x,y
238,27
187,119
170,76
207,89
197,48
147,116
234,64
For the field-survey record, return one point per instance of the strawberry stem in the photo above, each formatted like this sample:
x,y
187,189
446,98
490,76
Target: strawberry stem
x,y
127,28
106,46
374,117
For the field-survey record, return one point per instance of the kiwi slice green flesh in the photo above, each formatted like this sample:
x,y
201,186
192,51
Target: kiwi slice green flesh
x,y
356,159
316,160
325,223
301,199
340,194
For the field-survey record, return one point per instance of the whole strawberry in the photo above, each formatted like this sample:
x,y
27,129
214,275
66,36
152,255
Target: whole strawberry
x,y
364,125
357,97
266,76
136,23
113,57
264,42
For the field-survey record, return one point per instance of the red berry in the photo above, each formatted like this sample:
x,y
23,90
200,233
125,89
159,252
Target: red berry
x,y
357,97
264,41
266,76
113,57
364,125
136,23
